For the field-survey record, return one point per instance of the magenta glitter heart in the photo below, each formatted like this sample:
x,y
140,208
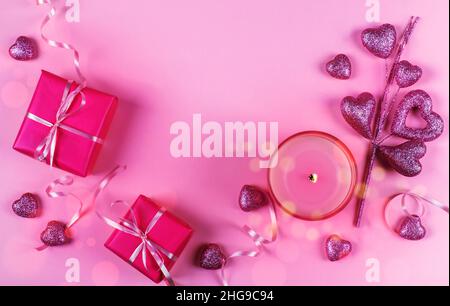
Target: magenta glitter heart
x,y
380,41
407,74
339,67
417,99
211,257
27,206
404,158
337,248
252,197
55,234
411,228
359,113
23,49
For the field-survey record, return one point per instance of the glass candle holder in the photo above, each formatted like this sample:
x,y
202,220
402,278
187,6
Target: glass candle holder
x,y
312,175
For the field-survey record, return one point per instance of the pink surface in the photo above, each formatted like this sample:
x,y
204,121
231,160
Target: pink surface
x,y
228,60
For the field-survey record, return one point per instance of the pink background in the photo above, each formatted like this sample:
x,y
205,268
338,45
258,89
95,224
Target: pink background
x,y
232,60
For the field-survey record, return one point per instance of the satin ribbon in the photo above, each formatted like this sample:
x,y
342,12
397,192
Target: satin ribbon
x,y
58,44
47,146
131,227
257,239
418,199
67,180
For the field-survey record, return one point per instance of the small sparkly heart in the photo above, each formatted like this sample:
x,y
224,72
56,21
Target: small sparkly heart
x,y
252,197
359,113
404,158
337,248
340,67
411,228
211,257
23,49
55,234
420,100
407,74
27,206
380,41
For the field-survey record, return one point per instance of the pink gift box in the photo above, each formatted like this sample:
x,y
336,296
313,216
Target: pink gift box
x,y
169,233
73,153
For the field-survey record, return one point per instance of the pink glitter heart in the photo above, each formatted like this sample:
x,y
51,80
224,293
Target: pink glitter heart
x,y
27,206
339,67
55,234
211,257
404,158
23,49
407,74
337,248
380,41
252,197
411,228
359,113
417,99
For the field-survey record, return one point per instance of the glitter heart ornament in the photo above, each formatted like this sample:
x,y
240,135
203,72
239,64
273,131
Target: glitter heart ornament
x,y
411,228
420,100
252,197
407,74
26,206
339,67
55,234
380,41
337,248
23,49
404,158
211,257
359,113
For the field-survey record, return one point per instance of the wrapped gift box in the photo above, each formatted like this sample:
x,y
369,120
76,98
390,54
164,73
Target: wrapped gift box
x,y
73,153
168,233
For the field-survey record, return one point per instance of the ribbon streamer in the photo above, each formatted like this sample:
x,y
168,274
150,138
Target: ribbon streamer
x,y
257,239
58,44
418,199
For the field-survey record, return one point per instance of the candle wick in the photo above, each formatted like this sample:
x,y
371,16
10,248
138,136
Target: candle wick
x,y
313,177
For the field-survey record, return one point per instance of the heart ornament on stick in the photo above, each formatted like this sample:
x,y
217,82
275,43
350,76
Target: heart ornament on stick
x,y
420,100
404,158
359,113
380,41
407,74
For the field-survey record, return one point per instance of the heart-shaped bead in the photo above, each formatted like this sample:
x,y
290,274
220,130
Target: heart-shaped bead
x,y
26,206
252,197
420,100
339,67
55,234
337,248
411,228
23,49
407,74
380,41
404,158
211,257
359,113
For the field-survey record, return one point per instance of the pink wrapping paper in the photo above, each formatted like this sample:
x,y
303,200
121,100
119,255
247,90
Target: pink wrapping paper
x,y
169,232
73,153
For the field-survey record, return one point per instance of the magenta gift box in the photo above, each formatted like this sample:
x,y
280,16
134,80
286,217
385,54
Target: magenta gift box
x,y
169,232
73,153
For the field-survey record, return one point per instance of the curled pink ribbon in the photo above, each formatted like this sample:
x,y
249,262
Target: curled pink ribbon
x,y
67,180
257,239
58,44
418,199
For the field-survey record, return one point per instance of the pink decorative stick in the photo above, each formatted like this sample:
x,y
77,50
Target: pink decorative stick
x,y
382,114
